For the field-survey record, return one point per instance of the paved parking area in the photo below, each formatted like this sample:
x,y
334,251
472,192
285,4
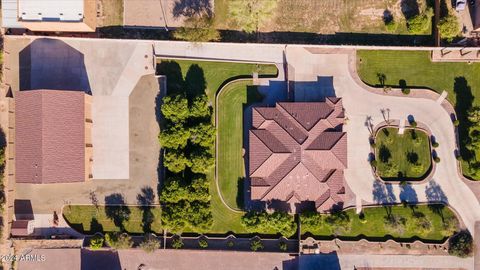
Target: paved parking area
x,y
121,74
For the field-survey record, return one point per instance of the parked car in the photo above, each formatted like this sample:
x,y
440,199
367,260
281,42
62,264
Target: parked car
x,y
460,5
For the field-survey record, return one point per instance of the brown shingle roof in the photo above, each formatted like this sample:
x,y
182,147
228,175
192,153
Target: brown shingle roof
x,y
313,153
49,136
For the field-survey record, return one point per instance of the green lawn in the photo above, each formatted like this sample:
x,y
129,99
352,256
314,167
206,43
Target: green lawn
x,y
460,80
373,226
402,156
89,219
231,170
210,77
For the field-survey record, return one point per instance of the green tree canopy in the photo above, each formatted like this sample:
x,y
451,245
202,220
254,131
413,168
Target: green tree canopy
x,y
251,14
420,23
175,109
449,27
201,161
174,137
203,135
175,190
195,215
200,107
176,161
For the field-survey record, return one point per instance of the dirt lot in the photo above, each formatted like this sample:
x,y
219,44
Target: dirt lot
x,y
328,17
110,12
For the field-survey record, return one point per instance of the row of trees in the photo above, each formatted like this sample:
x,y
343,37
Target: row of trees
x,y
276,222
188,139
473,142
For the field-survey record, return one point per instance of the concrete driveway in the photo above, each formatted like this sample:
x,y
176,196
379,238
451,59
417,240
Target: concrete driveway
x,y
446,185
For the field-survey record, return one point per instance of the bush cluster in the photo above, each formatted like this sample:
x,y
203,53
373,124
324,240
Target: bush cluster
x,y
263,222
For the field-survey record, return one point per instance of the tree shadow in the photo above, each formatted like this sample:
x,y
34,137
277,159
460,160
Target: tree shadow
x,y
95,226
408,196
412,157
382,78
189,8
387,16
195,82
383,194
173,72
464,102
240,191
409,8
145,199
384,154
436,198
116,209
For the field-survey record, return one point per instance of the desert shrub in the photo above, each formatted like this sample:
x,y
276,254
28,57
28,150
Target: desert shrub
x,y
150,243
420,23
177,243
96,242
461,244
395,223
406,91
283,246
449,27
256,244
117,240
203,243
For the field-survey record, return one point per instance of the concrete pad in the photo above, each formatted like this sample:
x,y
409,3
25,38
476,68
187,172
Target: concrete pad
x,y
401,127
442,97
110,137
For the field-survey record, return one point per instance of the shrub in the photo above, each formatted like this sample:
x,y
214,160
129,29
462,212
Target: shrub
x,y
230,243
197,29
406,91
449,225
339,222
261,222
395,223
311,221
177,243
391,26
373,162
150,243
449,27
413,124
461,244
419,24
435,144
256,244
119,240
96,242
436,159
456,122
283,246
202,243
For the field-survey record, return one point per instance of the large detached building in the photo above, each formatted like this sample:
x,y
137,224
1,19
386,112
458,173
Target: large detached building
x,y
52,136
50,15
298,153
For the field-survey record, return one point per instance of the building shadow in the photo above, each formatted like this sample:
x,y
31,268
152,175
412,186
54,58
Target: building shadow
x,y
315,91
52,64
327,261
23,210
100,259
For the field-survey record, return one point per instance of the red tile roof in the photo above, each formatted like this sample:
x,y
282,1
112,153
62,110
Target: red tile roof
x,y
49,136
298,153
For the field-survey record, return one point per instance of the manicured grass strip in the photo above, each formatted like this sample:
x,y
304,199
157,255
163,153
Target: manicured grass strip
x,y
402,156
417,70
88,219
373,226
231,170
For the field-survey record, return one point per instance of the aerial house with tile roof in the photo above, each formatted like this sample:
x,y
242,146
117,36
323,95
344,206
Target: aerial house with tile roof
x,y
53,142
297,155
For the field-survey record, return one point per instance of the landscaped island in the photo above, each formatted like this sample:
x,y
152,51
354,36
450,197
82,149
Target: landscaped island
x,y
411,69
402,156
